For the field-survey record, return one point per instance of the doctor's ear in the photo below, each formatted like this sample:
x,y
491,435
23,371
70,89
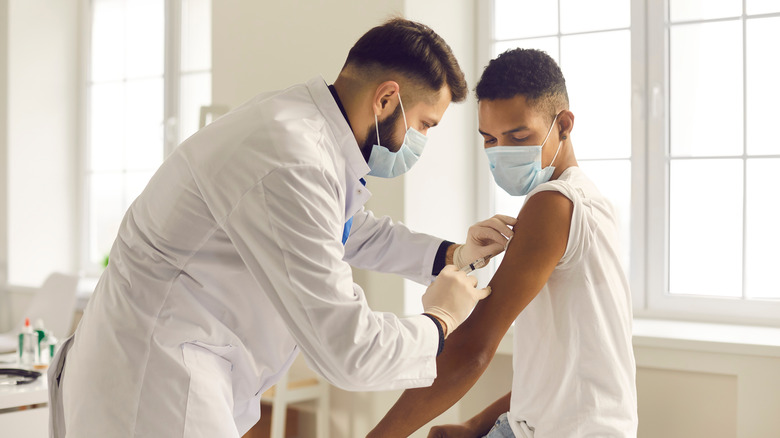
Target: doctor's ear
x,y
384,92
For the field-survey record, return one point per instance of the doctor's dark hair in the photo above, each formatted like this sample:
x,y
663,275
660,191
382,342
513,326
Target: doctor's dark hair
x,y
525,72
413,50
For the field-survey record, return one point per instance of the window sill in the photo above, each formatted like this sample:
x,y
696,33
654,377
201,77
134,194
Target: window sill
x,y
695,336
707,337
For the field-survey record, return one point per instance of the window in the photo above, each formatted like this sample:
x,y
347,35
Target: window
x,y
710,160
672,100
149,74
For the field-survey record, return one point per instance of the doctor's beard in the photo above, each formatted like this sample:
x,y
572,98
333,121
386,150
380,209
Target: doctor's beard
x,y
386,133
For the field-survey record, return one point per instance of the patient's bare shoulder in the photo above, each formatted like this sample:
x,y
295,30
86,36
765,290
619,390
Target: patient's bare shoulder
x,y
546,216
539,242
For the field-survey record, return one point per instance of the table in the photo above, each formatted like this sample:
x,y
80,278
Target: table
x,y
24,409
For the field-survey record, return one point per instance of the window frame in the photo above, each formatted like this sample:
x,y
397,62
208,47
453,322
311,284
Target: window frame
x,y
649,229
171,111
659,302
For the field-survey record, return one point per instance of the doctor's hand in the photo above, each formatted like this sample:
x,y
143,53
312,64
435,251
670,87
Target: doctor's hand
x,y
451,297
485,239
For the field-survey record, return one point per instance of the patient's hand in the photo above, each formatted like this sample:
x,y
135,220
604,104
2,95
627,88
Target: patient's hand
x,y
452,431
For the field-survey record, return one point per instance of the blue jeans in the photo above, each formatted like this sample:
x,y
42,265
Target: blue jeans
x,y
501,429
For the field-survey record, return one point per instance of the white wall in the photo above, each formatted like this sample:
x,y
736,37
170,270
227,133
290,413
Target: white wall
x,y
703,404
267,45
41,162
700,391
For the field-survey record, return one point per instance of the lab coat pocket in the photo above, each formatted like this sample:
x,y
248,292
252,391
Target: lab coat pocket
x,y
210,397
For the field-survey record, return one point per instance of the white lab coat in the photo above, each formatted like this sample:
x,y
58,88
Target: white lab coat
x,y
228,264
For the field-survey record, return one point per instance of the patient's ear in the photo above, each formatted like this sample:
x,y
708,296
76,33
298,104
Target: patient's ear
x,y
565,124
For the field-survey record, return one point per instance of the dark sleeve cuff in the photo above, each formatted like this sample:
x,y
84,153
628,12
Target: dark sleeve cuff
x,y
441,332
441,257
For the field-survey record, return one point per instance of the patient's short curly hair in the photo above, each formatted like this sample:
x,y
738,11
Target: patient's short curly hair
x,y
525,72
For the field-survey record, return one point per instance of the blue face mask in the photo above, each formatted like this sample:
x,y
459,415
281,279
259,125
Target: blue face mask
x,y
386,164
518,169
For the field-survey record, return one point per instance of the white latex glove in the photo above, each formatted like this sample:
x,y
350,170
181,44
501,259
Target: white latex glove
x,y
451,297
485,239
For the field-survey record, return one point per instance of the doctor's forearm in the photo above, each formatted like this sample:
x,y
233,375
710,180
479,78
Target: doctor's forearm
x,y
450,256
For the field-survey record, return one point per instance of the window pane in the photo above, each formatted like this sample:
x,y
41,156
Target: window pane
x,y
600,98
108,40
587,15
762,6
195,92
195,35
144,124
762,232
705,227
549,45
613,179
145,38
684,10
763,88
107,140
525,18
107,207
706,89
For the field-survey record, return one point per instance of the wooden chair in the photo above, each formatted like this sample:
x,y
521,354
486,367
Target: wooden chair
x,y
310,394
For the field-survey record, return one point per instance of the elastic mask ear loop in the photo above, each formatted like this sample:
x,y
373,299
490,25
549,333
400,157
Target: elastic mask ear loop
x,y
556,152
376,125
559,143
402,111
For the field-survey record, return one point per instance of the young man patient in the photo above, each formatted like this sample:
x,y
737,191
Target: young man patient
x,y
561,282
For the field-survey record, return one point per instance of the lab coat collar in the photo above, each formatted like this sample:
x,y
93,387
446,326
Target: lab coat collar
x,y
338,124
355,165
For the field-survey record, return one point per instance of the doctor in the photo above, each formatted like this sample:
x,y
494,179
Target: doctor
x,y
236,257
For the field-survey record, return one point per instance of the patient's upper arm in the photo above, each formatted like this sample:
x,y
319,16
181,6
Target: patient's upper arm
x,y
540,237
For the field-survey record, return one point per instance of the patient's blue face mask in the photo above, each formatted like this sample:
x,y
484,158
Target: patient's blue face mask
x,y
518,169
386,164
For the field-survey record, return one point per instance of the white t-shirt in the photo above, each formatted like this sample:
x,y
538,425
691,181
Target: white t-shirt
x,y
574,369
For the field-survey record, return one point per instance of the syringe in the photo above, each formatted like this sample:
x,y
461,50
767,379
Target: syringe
x,y
478,263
